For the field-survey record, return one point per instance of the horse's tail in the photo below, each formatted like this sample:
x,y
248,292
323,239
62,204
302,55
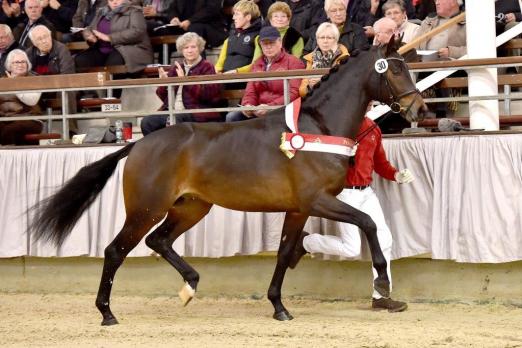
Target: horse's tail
x,y
55,216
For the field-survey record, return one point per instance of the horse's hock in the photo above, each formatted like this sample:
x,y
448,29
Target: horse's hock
x,y
415,279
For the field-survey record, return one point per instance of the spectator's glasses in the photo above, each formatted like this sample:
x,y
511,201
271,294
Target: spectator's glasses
x,y
329,38
19,62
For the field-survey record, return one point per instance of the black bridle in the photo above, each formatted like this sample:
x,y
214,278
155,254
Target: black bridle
x,y
395,105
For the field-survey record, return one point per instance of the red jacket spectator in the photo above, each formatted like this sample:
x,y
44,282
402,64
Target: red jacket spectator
x,y
271,92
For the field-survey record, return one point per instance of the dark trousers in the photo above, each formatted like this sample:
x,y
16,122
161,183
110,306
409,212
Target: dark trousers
x,y
13,132
93,57
153,123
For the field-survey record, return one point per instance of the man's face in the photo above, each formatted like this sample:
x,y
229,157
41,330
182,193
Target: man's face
x,y
42,40
5,40
446,8
33,9
384,33
271,48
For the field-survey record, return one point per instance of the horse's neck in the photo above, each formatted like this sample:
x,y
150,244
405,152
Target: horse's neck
x,y
337,107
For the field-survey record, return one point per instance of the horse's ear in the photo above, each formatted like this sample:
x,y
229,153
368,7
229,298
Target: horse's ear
x,y
393,45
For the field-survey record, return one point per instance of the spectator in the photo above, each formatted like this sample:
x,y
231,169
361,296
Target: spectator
x,y
450,43
191,96
394,9
328,53
48,56
157,14
60,14
351,35
306,16
279,16
263,93
203,17
363,13
33,10
7,44
238,49
357,193
508,15
12,132
117,35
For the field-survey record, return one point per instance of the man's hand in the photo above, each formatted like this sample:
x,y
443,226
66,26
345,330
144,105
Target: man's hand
x,y
54,4
175,21
404,176
149,11
248,113
261,113
8,11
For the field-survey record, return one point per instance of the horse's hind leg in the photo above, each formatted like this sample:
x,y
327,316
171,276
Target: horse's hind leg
x,y
130,235
292,227
329,207
185,214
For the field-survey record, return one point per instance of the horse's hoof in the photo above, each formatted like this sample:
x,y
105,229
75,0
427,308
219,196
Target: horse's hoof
x,y
186,294
283,316
109,322
382,287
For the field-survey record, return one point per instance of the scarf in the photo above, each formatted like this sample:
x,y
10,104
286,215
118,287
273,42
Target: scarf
x,y
108,13
324,60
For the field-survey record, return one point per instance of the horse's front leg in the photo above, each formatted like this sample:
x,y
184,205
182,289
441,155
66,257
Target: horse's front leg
x,y
329,207
292,227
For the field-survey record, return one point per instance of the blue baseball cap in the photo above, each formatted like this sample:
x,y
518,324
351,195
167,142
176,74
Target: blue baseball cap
x,y
269,33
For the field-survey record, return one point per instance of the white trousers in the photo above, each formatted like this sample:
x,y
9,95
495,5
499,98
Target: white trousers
x,y
349,243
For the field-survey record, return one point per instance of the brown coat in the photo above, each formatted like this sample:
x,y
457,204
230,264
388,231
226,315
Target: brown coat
x,y
303,89
456,36
129,37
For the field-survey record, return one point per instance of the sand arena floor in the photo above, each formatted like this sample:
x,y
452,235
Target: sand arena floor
x,y
56,320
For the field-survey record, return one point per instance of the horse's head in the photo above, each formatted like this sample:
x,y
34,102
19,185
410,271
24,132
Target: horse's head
x,y
395,85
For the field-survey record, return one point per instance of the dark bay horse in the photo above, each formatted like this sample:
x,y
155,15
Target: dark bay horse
x,y
181,171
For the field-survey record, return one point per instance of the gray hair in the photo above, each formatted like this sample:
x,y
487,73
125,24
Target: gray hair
x,y
329,3
392,3
39,26
7,30
37,1
10,58
325,26
184,39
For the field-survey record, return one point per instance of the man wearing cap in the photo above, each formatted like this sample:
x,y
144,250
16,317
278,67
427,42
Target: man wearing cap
x,y
370,156
263,93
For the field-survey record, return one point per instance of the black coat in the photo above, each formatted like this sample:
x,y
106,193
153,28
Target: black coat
x,y
306,16
352,37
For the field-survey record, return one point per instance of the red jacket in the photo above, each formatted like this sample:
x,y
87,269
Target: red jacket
x,y
370,156
271,92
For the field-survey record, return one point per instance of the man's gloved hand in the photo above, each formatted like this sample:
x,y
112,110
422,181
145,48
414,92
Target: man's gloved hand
x,y
404,176
354,150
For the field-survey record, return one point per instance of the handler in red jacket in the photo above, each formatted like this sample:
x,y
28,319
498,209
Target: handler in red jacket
x,y
263,93
357,193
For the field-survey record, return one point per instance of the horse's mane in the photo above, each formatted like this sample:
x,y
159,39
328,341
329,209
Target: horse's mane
x,y
332,70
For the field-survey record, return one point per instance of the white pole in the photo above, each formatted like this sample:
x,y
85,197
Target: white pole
x,y
480,40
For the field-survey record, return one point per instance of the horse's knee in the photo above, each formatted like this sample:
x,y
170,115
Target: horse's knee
x,y
368,225
153,242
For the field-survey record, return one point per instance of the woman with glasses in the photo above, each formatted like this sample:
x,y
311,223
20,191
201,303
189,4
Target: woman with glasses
x,y
328,53
12,132
396,10
351,35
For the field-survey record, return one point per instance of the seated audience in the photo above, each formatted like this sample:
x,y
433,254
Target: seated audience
x,y
48,56
7,44
190,96
117,35
395,9
202,17
386,28
265,93
157,14
306,16
33,10
12,132
508,15
328,53
351,35
238,49
279,16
